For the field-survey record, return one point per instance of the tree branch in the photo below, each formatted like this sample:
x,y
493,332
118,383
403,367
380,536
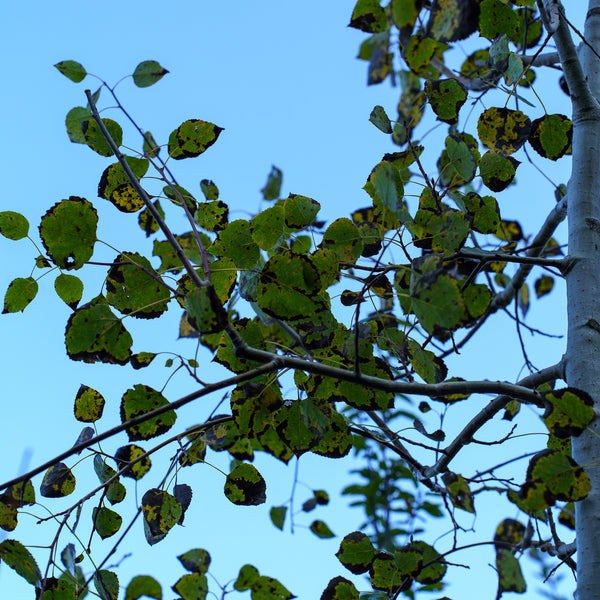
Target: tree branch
x,y
496,405
212,387
556,216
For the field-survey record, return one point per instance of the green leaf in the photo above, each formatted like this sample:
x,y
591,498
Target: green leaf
x,y
192,586
151,148
300,211
205,311
138,401
568,412
58,481
115,186
368,16
543,285
13,225
356,552
236,242
510,577
483,211
497,171
340,588
89,404
148,73
277,514
209,189
18,558
192,138
143,585
106,521
19,294
95,139
74,123
107,584
272,188
551,136
72,70
246,577
496,18
337,441
134,288
268,226
161,512
69,289
380,119
302,424
245,486
95,334
289,287
459,491
343,237
268,588
446,97
553,476
195,561
128,459
437,301
321,530
68,232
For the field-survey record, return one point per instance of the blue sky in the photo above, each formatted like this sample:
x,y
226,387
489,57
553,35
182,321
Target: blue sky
x,y
282,79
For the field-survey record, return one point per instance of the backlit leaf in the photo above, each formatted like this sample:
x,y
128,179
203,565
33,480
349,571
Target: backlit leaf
x,y
192,138
446,97
551,136
245,486
17,557
128,458
68,232
140,400
94,138
106,521
13,225
19,294
58,481
321,530
568,412
356,552
95,334
277,514
195,561
368,16
143,585
148,73
107,584
161,512
89,404
72,69
69,289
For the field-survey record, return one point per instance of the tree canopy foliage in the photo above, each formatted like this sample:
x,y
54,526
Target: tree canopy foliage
x,y
336,334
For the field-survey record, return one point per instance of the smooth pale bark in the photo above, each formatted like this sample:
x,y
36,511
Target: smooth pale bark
x,y
583,281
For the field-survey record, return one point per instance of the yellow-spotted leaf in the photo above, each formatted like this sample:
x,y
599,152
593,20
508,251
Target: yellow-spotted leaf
x,y
446,97
503,130
131,460
245,486
94,138
58,481
568,412
89,404
192,138
138,401
161,512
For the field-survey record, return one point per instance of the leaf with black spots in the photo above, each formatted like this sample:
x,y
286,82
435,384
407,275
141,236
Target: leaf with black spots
x,y
245,486
161,512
